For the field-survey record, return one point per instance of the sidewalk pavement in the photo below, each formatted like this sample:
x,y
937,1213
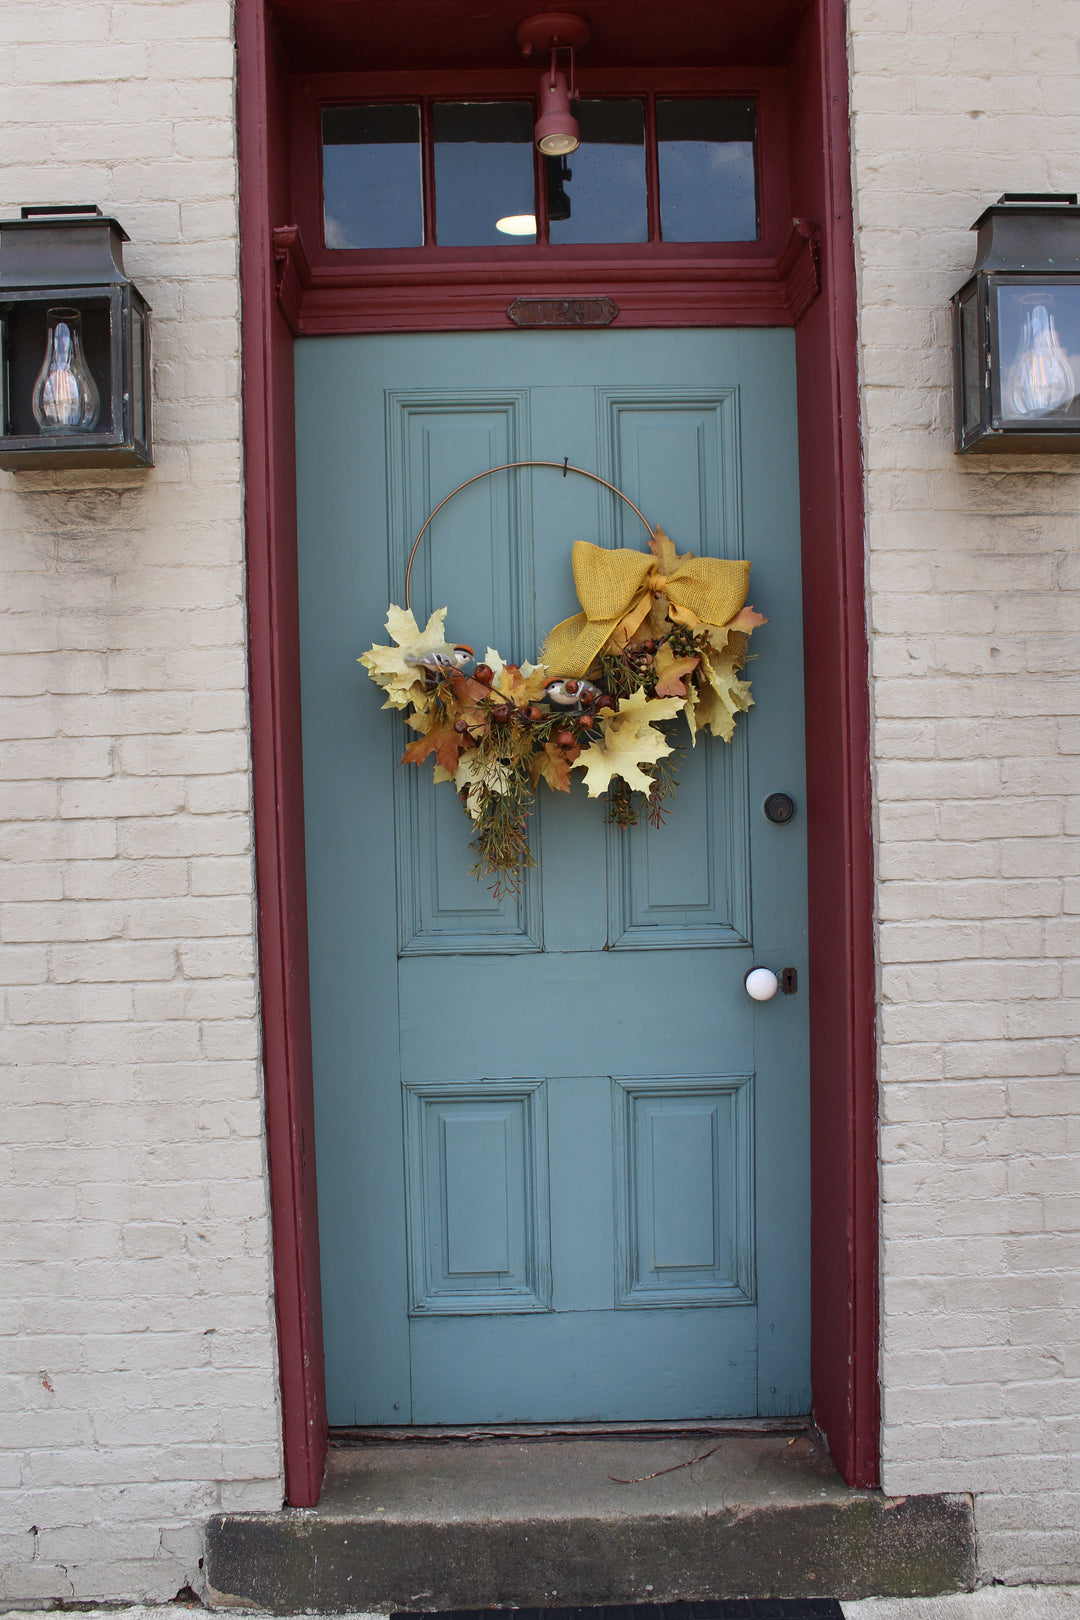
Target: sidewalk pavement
x,y
988,1603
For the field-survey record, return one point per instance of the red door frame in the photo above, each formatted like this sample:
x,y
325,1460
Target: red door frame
x,y
844,1216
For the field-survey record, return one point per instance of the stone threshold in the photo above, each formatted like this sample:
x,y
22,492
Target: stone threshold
x,y
558,1521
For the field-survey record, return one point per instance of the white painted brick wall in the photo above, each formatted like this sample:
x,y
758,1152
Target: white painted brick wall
x,y
974,569
139,1387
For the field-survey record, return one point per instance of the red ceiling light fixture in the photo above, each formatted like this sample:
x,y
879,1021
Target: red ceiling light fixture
x,y
557,131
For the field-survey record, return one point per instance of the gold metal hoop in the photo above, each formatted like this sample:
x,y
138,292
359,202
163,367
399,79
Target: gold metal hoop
x,y
560,466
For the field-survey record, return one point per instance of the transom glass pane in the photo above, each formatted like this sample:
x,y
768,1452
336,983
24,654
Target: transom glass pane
x,y
484,173
708,181
1039,351
598,193
372,178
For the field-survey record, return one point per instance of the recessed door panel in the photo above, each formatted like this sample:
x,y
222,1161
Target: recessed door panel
x,y
478,1191
479,566
685,1201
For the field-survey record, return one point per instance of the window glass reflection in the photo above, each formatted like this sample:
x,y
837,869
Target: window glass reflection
x,y
372,181
1039,349
598,193
483,173
708,183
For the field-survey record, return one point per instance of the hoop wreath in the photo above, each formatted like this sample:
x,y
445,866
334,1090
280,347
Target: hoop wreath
x,y
659,635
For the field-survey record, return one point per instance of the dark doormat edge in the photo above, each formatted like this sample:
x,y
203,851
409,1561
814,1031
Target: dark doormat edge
x,y
720,1609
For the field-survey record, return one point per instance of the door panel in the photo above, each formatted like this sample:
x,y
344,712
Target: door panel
x,y
477,1175
430,437
562,1156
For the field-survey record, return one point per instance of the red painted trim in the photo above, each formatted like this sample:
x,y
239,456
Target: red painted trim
x,y
844,1148
279,850
737,291
292,273
433,289
864,1465
844,1192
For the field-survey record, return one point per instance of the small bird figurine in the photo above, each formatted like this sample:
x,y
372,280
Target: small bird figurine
x,y
570,694
434,663
439,662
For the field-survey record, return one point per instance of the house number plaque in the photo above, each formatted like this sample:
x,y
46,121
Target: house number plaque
x,y
562,311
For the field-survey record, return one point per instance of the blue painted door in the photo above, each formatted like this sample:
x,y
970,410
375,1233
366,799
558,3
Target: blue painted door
x,y
562,1156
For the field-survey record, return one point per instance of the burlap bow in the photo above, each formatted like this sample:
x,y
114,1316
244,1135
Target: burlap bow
x,y
617,590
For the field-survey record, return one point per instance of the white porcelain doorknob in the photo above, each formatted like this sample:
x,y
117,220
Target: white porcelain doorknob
x,y
761,984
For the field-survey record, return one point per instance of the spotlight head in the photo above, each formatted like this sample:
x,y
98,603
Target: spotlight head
x,y
557,132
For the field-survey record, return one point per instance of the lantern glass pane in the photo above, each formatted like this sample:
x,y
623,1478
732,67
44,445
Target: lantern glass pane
x,y
484,173
372,179
707,153
3,378
1038,344
598,193
970,358
138,404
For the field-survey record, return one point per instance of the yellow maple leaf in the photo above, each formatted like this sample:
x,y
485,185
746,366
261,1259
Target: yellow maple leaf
x,y
663,549
690,708
723,695
474,771
521,685
630,740
394,668
494,662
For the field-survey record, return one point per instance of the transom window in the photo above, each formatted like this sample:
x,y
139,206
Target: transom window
x,y
443,173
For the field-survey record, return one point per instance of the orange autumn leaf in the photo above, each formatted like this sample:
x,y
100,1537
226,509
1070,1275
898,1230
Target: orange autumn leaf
x,y
553,765
467,690
672,684
442,741
671,670
746,620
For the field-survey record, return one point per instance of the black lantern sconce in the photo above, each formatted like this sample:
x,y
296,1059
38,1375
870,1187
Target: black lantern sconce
x,y
1016,329
74,344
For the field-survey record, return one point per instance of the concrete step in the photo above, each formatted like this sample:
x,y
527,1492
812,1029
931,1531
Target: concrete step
x,y
557,1522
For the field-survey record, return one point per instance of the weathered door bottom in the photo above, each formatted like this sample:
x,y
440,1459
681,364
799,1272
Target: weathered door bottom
x,y
553,1523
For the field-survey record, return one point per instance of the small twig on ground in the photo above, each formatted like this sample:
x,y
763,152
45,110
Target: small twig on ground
x,y
674,1469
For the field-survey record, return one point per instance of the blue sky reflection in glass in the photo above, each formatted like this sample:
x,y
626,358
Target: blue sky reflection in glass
x,y
372,177
707,162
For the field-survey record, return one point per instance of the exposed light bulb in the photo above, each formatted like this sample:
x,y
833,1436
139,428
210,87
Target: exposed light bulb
x,y
1040,379
559,145
65,395
517,224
